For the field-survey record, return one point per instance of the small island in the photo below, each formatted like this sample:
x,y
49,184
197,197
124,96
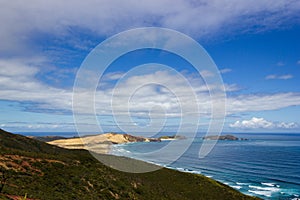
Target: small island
x,y
223,137
172,137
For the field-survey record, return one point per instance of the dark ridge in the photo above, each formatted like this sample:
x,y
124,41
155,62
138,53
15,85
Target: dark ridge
x,y
47,138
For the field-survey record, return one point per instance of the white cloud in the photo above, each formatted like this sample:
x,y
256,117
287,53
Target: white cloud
x,y
12,68
252,123
225,70
25,87
206,74
19,20
150,96
261,102
272,76
287,125
231,87
281,77
261,123
18,83
298,62
113,76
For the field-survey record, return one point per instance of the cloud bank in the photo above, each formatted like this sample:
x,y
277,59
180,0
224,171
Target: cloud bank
x,y
18,82
21,21
261,123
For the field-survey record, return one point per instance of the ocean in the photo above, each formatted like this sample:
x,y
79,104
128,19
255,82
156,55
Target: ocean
x,y
265,165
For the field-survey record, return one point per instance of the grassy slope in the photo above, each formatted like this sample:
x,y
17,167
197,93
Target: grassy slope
x,y
48,172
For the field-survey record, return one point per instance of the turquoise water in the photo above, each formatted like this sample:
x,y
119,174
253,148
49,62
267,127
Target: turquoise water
x,y
266,165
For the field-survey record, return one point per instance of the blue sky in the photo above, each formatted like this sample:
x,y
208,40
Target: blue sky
x,y
255,45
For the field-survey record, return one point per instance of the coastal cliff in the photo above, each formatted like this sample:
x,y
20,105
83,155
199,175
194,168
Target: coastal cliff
x,y
100,143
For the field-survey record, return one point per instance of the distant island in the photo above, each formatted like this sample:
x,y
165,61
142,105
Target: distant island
x,y
172,137
222,137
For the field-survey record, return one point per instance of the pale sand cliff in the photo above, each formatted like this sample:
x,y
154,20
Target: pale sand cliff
x,y
99,143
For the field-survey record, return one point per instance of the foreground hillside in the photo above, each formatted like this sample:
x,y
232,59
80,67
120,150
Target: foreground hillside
x,y
43,171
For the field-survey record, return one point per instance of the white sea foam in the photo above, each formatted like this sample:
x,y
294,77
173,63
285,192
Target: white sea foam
x,y
180,169
193,171
271,189
183,169
269,184
263,193
238,183
236,187
121,150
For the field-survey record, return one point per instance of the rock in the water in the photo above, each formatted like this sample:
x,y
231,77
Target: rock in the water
x,y
222,137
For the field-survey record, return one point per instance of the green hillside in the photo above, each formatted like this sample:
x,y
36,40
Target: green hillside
x,y
43,171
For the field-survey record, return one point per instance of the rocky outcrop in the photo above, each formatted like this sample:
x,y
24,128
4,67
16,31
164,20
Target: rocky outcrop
x,y
131,138
222,137
172,137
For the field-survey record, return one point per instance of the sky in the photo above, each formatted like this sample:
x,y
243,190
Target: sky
x,y
255,45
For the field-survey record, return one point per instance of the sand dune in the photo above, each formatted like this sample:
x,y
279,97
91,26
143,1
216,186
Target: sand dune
x,y
99,143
